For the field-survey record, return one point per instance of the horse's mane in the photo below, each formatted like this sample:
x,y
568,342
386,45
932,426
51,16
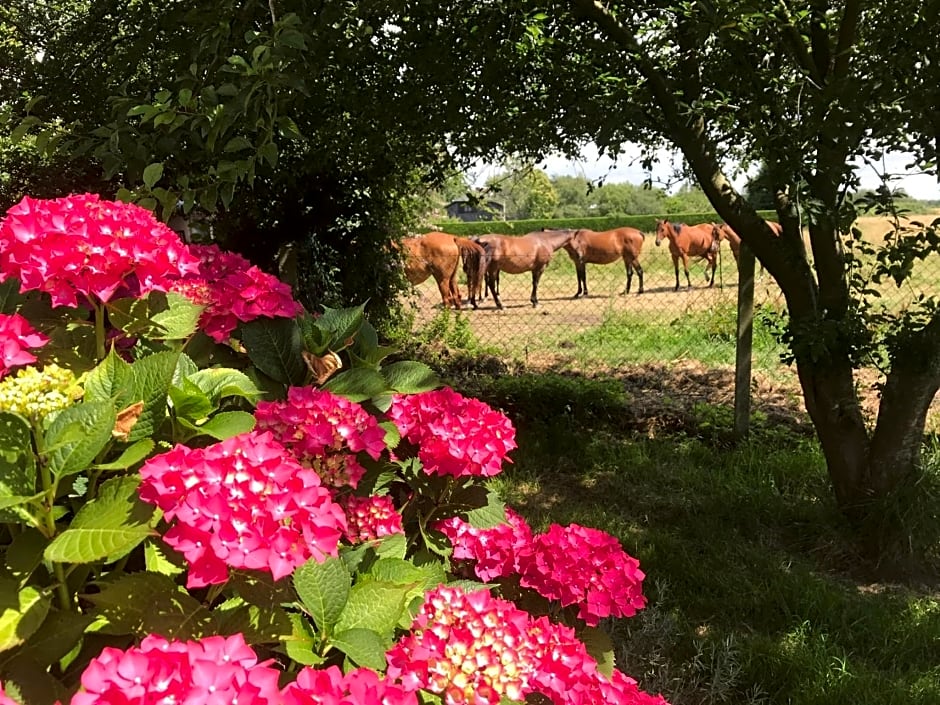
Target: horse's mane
x,y
677,227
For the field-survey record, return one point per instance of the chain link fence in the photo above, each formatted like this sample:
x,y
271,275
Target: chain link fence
x,y
607,328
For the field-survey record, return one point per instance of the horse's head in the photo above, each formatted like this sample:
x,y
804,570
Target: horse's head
x,y
662,231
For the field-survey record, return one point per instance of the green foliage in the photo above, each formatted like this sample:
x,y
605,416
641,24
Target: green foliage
x,y
757,591
644,223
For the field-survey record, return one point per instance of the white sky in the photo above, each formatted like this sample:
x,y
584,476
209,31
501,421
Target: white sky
x,y
627,169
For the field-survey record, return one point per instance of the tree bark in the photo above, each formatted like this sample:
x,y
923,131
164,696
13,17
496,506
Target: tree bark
x,y
863,466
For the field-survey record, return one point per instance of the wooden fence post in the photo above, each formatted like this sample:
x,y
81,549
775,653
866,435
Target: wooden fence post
x,y
743,347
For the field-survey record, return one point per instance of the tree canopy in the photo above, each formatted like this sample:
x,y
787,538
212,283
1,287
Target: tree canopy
x,y
314,123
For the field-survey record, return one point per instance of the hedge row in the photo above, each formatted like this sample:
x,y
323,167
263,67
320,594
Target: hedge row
x,y
645,223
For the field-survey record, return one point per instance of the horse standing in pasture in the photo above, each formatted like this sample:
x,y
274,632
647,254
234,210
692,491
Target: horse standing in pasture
x,y
473,259
440,255
514,255
689,241
592,247
723,231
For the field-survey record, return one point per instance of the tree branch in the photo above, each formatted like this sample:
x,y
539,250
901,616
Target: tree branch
x,y
789,268
847,32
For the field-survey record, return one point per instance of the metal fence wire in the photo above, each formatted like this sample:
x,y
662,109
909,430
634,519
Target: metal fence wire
x,y
606,328
609,329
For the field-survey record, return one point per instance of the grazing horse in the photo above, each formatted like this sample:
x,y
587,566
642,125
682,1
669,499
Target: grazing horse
x,y
689,241
514,255
590,247
473,257
437,255
723,231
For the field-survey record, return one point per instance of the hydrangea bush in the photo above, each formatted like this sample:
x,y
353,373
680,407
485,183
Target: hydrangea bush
x,y
211,495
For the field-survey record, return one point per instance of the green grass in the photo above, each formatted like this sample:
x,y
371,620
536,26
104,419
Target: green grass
x,y
755,592
707,336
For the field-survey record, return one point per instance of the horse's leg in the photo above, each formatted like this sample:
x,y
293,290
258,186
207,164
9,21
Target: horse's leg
x,y
675,265
492,283
536,275
639,274
713,261
685,266
581,270
626,264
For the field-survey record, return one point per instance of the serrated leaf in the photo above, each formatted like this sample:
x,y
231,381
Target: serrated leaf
x,y
190,402
409,377
374,605
17,464
160,558
184,368
259,625
357,384
131,455
299,645
178,320
77,434
482,506
324,589
599,645
220,382
341,323
223,425
260,588
147,603
107,528
275,345
392,434
152,173
152,377
59,633
24,553
363,646
393,546
21,612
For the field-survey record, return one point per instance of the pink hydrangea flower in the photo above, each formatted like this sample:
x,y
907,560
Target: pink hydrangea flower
x,y
16,336
583,566
479,649
6,699
469,648
358,687
81,247
369,518
243,503
324,431
492,552
455,435
212,671
568,675
234,290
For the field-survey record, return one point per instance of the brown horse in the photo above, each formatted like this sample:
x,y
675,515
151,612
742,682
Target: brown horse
x,y
723,231
514,255
472,255
591,247
437,255
689,241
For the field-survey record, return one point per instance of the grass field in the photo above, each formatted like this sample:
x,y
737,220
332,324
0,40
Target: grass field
x,y
623,409
611,329
755,592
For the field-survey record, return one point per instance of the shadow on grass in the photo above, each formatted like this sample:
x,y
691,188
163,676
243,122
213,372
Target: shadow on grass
x,y
756,591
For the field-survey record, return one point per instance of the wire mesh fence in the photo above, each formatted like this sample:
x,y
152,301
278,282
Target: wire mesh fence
x,y
608,328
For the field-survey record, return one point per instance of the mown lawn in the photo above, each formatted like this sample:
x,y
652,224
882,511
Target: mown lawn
x,y
755,592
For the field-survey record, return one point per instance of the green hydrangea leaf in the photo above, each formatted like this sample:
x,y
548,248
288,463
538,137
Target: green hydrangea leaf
x,y
324,589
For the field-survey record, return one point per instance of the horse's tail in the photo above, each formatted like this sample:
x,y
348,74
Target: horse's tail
x,y
473,256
